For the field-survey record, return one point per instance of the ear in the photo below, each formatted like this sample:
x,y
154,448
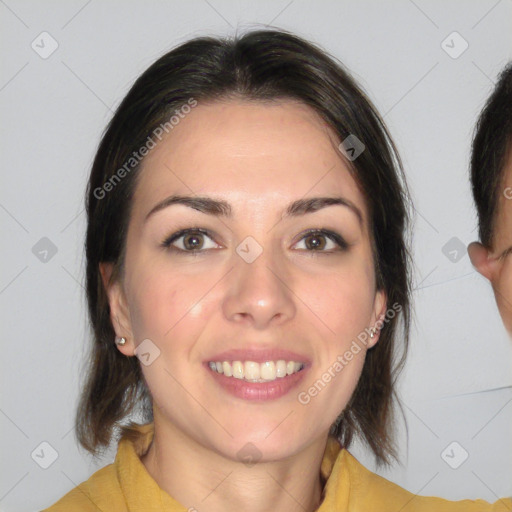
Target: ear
x,y
119,312
481,259
379,314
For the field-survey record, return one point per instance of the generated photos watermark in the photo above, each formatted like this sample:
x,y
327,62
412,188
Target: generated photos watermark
x,y
304,397
150,143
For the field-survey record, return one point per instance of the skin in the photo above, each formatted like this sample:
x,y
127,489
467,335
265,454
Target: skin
x,y
259,157
495,263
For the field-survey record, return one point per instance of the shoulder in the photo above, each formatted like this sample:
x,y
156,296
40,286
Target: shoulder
x,y
370,490
99,493
124,481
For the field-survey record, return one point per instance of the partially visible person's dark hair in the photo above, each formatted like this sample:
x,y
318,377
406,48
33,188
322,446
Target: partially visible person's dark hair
x,y
265,65
490,150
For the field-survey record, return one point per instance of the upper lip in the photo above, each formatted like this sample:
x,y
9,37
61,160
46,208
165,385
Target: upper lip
x,y
258,355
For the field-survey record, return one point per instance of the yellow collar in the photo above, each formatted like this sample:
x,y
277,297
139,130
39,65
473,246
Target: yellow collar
x,y
140,489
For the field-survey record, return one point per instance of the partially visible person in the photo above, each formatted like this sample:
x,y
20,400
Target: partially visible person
x,y
491,179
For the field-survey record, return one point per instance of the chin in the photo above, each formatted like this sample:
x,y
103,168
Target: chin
x,y
262,444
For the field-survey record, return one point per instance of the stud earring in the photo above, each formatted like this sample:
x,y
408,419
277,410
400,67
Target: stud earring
x,y
120,341
373,332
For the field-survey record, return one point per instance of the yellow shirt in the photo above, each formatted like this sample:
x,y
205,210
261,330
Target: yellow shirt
x,y
126,486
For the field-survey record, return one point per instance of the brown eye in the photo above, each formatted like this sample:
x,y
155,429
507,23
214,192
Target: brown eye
x,y
190,241
193,241
323,241
315,242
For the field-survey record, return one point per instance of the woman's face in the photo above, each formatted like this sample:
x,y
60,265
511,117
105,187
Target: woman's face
x,y
502,271
247,286
496,263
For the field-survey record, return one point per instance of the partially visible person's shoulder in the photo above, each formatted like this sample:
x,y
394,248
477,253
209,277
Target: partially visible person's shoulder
x,y
101,492
369,491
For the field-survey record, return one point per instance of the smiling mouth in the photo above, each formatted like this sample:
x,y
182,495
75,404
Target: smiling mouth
x,y
251,371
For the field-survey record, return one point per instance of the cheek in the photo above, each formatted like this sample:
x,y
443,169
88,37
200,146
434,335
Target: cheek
x,y
343,300
505,277
503,291
345,304
163,302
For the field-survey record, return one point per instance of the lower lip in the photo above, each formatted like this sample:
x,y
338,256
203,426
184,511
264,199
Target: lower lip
x,y
258,391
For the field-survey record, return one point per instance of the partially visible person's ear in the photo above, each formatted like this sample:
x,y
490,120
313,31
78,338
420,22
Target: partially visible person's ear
x,y
481,259
119,312
378,317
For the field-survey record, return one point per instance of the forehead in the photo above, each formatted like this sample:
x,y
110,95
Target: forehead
x,y
248,153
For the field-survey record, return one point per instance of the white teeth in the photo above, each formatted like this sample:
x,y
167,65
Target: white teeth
x,y
268,370
238,370
226,367
281,368
256,372
251,370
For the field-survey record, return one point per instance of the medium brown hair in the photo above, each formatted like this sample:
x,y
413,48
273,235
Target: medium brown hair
x,y
259,65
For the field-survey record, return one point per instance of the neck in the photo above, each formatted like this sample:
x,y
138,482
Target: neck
x,y
200,479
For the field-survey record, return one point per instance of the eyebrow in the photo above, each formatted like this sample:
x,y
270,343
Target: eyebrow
x,y
220,208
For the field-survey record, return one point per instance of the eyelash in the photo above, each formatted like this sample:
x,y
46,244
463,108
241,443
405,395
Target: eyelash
x,y
331,235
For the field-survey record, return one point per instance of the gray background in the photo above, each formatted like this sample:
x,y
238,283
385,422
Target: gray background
x,y
457,386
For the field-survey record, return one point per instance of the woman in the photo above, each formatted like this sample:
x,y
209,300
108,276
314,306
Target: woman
x,y
247,279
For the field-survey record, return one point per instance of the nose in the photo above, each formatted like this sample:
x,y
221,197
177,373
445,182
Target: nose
x,y
259,293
